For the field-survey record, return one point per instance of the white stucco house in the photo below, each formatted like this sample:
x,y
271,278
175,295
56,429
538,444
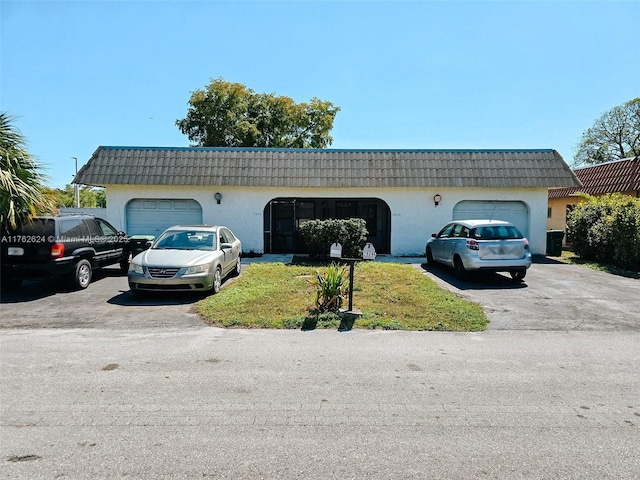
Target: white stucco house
x,y
264,194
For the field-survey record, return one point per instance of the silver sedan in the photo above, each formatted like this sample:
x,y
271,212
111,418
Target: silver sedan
x,y
472,245
187,258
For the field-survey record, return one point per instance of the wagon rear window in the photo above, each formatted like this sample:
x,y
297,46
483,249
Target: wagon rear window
x,y
497,232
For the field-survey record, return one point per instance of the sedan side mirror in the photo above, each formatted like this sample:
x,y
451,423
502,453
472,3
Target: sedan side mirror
x,y
225,246
434,235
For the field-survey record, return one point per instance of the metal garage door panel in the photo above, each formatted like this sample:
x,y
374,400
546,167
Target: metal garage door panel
x,y
514,212
151,216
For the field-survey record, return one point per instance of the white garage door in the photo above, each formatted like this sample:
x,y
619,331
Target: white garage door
x,y
151,216
514,212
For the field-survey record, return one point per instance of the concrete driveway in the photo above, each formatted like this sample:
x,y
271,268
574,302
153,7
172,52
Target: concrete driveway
x,y
554,296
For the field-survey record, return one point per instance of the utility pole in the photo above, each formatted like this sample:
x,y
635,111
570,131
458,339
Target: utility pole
x,y
76,192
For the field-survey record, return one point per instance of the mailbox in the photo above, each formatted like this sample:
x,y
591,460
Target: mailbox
x,y
369,252
335,251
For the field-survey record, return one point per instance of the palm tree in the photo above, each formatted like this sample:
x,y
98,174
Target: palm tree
x,y
21,183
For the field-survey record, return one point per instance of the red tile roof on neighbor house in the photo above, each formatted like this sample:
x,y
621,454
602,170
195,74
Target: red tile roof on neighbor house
x,y
611,177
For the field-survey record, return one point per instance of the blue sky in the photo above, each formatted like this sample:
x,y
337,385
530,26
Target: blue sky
x,y
421,74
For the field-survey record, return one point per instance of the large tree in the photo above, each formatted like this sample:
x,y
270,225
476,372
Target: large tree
x,y
22,192
615,135
90,197
226,114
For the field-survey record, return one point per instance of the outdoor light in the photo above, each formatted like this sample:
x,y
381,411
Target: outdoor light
x,y
436,199
218,197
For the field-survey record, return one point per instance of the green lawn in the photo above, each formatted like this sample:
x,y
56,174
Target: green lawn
x,y
390,296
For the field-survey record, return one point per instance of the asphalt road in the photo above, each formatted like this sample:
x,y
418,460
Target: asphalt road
x,y
98,384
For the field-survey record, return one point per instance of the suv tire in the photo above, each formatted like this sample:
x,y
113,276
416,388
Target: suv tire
x,y
82,274
124,265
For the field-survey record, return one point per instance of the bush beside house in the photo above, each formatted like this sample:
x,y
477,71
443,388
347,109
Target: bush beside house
x,y
607,229
319,235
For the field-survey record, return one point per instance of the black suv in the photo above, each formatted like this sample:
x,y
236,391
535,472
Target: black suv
x,y
67,246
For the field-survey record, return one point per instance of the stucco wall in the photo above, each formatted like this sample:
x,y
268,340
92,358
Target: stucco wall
x,y
414,217
558,206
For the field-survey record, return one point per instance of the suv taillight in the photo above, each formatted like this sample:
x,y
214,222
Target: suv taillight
x,y
57,250
473,245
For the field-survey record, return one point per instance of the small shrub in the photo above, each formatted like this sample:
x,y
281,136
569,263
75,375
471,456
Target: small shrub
x,y
331,288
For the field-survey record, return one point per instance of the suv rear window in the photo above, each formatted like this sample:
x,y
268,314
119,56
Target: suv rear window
x,y
496,232
72,227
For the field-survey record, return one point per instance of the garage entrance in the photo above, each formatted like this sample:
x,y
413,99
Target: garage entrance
x,y
151,216
283,216
511,211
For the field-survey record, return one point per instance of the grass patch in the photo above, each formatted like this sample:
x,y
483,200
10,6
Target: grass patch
x,y
571,257
390,296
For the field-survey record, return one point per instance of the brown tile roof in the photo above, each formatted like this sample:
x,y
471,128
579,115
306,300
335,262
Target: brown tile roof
x,y
611,177
264,167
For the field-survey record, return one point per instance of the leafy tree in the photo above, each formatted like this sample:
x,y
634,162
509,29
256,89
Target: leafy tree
x,y
615,135
22,193
90,197
226,114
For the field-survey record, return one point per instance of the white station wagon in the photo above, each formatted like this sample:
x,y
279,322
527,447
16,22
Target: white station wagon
x,y
473,245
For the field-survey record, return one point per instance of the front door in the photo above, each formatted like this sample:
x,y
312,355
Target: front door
x,y
283,216
283,226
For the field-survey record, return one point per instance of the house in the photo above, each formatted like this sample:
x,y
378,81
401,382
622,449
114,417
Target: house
x,y
619,176
264,194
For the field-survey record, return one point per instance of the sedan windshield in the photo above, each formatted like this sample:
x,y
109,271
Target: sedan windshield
x,y
186,240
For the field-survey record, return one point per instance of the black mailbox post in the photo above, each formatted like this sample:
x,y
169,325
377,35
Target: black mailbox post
x,y
369,253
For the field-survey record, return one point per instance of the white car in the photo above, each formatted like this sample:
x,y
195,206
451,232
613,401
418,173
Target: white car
x,y
186,258
473,245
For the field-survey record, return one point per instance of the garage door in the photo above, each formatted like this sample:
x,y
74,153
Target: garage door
x,y
151,216
514,212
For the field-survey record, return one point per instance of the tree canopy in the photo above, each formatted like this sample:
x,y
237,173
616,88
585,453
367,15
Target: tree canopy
x,y
226,114
90,197
613,136
22,193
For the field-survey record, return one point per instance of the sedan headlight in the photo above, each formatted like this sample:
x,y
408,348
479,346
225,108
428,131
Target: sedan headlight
x,y
197,269
135,268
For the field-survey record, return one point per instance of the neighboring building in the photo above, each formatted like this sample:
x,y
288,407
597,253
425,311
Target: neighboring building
x,y
619,176
264,194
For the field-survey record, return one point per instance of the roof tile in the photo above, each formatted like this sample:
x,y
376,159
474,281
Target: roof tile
x,y
610,177
327,168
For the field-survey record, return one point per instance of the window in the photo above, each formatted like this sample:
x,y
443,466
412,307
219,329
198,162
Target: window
x,y
549,212
107,229
72,227
502,232
446,231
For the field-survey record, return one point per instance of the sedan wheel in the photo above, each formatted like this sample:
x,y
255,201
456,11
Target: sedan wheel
x,y
217,281
236,270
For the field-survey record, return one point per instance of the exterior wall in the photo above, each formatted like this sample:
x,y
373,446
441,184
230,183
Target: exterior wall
x,y
414,217
558,206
